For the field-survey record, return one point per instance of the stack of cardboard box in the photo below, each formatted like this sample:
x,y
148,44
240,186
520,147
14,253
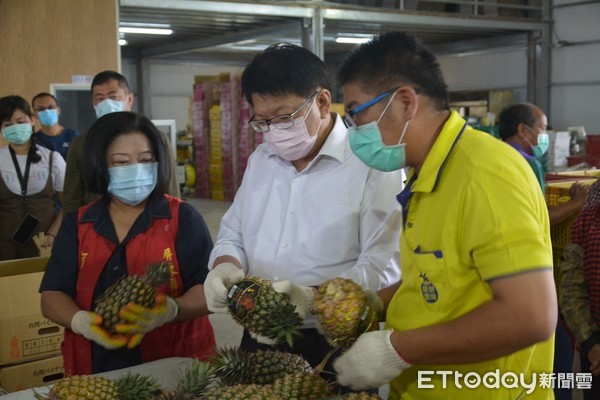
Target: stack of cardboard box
x,y
29,343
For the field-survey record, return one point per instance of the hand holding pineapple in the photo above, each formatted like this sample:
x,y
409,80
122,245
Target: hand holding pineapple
x,y
89,325
217,284
372,361
141,320
301,296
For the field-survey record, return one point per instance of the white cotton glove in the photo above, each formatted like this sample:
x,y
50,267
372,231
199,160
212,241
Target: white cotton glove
x,y
89,325
370,362
217,283
301,296
263,339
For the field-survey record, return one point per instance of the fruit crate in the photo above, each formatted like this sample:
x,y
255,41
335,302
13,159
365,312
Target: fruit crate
x,y
557,192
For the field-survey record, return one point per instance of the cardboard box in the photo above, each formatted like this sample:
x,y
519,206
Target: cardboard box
x,y
32,374
25,335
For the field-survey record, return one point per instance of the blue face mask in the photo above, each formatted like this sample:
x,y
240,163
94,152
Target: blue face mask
x,y
366,143
108,106
133,183
17,133
48,117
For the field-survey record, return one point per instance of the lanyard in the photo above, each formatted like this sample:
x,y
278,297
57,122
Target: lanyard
x,y
22,180
406,194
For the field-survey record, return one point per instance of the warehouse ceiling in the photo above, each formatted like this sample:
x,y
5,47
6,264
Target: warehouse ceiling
x,y
231,32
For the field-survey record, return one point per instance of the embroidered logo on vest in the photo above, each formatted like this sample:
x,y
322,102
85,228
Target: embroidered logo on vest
x,y
168,256
428,289
83,257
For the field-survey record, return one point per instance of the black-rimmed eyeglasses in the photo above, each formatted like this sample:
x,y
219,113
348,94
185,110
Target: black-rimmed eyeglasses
x,y
284,121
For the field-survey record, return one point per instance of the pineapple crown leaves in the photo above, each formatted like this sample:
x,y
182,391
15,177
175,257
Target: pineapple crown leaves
x,y
196,378
137,387
231,365
157,273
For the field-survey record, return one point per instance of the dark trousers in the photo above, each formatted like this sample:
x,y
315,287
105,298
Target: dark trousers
x,y
312,346
563,356
594,392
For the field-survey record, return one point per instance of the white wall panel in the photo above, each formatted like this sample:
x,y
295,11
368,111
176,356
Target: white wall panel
x,y
576,63
503,69
577,22
575,106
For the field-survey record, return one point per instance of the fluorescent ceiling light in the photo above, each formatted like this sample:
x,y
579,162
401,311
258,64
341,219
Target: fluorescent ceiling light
x,y
122,42
144,25
145,31
352,40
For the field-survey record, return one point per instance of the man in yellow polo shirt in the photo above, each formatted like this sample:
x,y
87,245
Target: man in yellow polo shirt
x,y
474,314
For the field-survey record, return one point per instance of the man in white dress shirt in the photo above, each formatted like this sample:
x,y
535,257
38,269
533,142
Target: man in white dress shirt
x,y
308,209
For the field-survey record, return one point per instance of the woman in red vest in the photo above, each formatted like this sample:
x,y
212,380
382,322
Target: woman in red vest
x,y
133,224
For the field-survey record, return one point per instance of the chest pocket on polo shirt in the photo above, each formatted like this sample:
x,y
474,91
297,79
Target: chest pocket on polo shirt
x,y
429,278
333,234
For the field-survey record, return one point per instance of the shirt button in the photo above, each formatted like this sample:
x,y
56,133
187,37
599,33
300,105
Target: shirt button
x,y
410,224
115,268
284,245
275,278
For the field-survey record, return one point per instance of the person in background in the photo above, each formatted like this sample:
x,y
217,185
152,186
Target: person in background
x,y
580,288
523,126
133,224
110,93
308,209
477,291
31,176
51,135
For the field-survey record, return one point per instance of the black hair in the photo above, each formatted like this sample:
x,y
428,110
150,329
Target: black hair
x,y
510,118
8,106
108,75
103,132
283,69
394,59
42,94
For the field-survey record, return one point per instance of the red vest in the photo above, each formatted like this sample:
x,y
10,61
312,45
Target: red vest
x,y
585,232
192,338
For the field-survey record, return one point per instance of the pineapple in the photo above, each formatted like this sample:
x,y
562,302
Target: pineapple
x,y
344,312
301,386
298,386
128,387
259,308
137,289
356,396
239,392
195,379
236,366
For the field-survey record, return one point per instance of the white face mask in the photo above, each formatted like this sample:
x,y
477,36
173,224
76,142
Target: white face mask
x,y
292,143
108,106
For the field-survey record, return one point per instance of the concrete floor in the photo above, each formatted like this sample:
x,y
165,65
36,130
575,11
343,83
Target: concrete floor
x,y
227,332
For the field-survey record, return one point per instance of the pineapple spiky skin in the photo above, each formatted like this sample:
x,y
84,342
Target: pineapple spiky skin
x,y
235,366
82,387
343,311
239,392
356,396
259,308
301,386
136,289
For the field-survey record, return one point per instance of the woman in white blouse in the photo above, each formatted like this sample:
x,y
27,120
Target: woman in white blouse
x,y
30,178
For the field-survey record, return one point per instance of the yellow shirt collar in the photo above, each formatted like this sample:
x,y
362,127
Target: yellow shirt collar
x,y
439,153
